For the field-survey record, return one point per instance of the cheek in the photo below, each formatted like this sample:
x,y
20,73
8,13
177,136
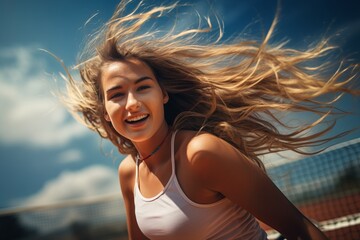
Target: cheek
x,y
116,122
112,112
158,105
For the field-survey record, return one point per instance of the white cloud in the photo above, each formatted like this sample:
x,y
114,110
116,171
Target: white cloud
x,y
93,181
75,195
71,155
29,113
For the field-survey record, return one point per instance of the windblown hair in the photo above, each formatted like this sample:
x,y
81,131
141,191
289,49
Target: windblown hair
x,y
232,89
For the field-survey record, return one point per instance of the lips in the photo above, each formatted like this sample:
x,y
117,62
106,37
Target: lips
x,y
136,119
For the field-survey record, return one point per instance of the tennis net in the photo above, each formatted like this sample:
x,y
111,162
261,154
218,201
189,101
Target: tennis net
x,y
326,188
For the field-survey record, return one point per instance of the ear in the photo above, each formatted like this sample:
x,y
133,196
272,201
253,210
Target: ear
x,y
166,97
106,116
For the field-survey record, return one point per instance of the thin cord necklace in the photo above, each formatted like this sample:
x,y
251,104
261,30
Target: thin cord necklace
x,y
155,150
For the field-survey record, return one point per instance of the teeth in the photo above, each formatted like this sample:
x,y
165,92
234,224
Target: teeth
x,y
137,118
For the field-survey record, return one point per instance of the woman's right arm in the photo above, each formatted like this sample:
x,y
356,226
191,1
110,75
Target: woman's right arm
x,y
127,180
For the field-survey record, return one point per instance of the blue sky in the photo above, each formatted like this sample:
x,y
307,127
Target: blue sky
x,y
45,156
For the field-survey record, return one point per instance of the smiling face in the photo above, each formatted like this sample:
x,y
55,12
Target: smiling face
x,y
134,100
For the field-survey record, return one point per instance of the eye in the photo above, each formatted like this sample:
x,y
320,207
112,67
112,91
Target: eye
x,y
116,95
143,87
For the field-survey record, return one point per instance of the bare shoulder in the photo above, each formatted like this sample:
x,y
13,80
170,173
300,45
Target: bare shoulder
x,y
127,170
209,158
207,146
204,150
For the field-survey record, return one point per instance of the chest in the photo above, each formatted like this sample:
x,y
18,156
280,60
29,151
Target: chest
x,y
169,216
151,183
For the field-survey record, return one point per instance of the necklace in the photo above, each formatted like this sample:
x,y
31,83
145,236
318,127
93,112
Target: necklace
x,y
155,150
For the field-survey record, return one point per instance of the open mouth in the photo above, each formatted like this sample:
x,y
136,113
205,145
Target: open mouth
x,y
137,119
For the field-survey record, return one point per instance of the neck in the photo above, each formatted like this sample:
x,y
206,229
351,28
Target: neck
x,y
155,148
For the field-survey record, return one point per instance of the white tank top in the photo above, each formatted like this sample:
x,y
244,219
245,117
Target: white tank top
x,y
172,215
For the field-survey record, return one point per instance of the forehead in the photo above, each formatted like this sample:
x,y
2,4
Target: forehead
x,y
129,69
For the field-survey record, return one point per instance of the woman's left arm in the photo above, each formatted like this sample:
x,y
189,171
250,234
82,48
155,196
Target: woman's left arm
x,y
222,168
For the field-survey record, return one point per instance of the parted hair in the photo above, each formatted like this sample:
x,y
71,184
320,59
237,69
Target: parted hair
x,y
233,89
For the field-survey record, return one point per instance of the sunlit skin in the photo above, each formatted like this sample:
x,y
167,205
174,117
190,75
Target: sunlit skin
x,y
207,167
134,103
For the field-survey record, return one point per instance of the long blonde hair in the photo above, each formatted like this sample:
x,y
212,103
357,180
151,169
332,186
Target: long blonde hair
x,y
232,89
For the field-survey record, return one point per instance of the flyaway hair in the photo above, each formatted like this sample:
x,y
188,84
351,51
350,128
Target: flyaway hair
x,y
233,89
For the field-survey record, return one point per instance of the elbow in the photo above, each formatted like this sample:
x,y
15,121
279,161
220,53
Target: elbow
x,y
304,230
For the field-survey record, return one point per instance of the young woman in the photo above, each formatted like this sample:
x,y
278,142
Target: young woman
x,y
193,119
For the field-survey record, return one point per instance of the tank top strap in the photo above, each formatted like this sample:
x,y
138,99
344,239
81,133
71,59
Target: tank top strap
x,y
136,171
173,152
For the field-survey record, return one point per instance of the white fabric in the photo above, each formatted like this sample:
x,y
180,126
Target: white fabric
x,y
172,215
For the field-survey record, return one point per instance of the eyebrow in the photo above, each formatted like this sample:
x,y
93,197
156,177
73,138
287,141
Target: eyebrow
x,y
136,82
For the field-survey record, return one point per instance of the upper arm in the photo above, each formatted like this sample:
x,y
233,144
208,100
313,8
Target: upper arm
x,y
127,179
222,168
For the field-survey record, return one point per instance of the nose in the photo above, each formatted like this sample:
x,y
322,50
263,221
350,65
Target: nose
x,y
132,103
